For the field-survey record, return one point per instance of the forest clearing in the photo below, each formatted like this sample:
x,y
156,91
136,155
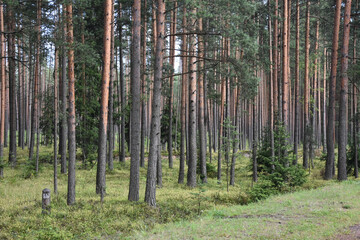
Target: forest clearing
x,y
153,118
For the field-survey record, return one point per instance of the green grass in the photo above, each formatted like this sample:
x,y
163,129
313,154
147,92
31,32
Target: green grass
x,y
322,213
116,218
20,201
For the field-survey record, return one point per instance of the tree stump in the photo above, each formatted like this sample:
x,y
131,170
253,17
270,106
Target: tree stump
x,y
46,208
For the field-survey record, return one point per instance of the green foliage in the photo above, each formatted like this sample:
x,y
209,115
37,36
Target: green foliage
x,y
29,170
262,190
277,175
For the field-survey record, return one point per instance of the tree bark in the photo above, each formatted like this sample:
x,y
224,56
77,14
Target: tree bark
x,y
297,86
110,129
3,87
343,138
172,58
191,176
101,167
183,103
150,193
135,105
332,87
143,85
306,89
201,114
71,110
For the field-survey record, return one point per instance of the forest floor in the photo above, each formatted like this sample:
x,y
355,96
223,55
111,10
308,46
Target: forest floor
x,y
116,217
330,212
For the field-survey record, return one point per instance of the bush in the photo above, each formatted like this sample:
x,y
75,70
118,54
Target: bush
x,y
276,175
262,190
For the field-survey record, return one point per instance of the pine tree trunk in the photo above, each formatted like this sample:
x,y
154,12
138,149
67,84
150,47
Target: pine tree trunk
x,y
12,84
343,105
201,122
143,85
71,109
56,112
3,87
123,93
330,159
63,103
297,86
191,176
306,89
150,193
135,114
36,83
183,103
101,167
172,63
110,160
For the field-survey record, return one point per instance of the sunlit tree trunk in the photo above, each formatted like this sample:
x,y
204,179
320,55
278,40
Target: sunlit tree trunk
x,y
332,87
71,109
343,105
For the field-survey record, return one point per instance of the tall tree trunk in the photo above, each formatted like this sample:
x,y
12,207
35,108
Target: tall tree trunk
x,y
275,59
201,122
221,122
285,71
3,87
183,102
306,89
12,84
271,87
63,103
56,115
172,63
111,94
150,192
355,108
297,85
191,176
71,110
123,92
143,85
135,103
343,138
254,146
101,167
332,87
36,82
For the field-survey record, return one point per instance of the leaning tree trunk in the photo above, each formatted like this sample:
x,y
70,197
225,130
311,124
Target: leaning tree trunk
x,y
150,192
343,138
332,87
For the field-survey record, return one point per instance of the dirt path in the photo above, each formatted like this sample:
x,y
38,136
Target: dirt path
x,y
354,233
